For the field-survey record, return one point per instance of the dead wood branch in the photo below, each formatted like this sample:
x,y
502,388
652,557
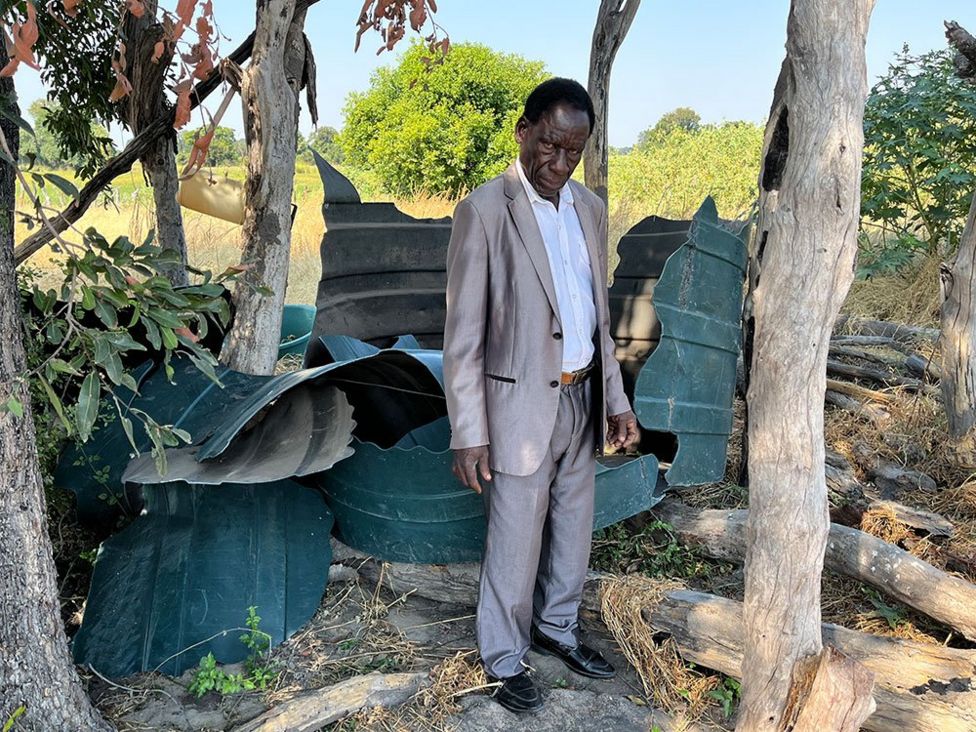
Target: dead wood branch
x,y
933,524
314,710
965,46
853,553
878,415
882,328
858,392
881,377
918,686
890,478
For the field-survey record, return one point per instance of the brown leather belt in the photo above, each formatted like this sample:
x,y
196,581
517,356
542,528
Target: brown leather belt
x,y
576,377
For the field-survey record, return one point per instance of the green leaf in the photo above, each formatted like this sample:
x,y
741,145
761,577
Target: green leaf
x,y
165,318
63,184
14,406
127,426
56,403
169,339
152,334
87,298
107,314
87,409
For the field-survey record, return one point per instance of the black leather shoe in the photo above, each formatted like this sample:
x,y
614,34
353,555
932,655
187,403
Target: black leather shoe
x,y
518,694
580,659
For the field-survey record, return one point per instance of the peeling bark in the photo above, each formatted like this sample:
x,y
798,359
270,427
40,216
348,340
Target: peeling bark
x,y
803,266
612,23
36,671
269,91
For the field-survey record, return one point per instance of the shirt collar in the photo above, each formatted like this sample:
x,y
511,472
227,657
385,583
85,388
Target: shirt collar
x,y
565,193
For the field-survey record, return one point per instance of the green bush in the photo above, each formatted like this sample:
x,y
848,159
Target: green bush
x,y
439,127
671,177
920,153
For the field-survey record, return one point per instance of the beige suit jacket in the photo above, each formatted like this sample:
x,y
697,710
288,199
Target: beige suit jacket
x,y
502,337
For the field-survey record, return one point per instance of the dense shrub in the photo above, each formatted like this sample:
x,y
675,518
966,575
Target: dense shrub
x,y
442,127
919,158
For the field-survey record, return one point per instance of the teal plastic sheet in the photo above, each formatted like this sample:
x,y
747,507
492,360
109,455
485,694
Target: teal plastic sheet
x,y
687,384
404,504
178,582
252,428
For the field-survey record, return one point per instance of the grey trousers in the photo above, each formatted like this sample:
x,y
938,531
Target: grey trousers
x,y
538,544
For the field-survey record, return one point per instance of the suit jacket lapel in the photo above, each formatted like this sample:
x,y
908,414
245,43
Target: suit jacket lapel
x,y
528,229
587,219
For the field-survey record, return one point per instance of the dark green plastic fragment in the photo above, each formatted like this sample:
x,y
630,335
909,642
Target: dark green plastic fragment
x,y
166,588
688,382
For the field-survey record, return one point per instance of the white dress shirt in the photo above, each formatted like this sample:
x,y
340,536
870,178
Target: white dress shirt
x,y
569,264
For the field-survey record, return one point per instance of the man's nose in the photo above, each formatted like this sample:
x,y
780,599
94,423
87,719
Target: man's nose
x,y
560,163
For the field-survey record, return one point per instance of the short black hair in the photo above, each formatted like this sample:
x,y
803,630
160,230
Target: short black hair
x,y
558,91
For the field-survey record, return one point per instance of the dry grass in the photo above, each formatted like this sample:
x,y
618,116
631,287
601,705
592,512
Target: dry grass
x,y
430,710
667,680
910,297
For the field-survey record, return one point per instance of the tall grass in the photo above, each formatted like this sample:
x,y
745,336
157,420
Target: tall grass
x,y
127,210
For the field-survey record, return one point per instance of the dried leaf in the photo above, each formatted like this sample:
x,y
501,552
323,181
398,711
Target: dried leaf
x,y
158,50
71,7
182,116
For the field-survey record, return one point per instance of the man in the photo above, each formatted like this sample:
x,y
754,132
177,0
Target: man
x,y
531,378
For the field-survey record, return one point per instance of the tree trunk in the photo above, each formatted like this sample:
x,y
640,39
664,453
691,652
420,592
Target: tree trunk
x,y
612,23
269,91
919,687
958,343
808,220
144,105
35,669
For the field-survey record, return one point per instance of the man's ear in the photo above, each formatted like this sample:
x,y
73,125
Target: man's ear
x,y
521,130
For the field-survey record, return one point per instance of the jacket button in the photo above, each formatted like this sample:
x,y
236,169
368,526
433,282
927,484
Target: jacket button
x,y
557,336
553,384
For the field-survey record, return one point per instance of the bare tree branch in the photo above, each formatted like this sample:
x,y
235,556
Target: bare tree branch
x,y
965,45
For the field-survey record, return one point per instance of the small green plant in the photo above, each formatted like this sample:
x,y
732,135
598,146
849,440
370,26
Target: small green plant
x,y
9,724
892,615
258,672
728,695
653,550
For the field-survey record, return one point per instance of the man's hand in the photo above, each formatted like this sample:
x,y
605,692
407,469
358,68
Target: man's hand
x,y
469,462
622,430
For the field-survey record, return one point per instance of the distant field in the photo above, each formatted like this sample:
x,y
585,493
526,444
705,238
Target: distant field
x,y
215,244
667,182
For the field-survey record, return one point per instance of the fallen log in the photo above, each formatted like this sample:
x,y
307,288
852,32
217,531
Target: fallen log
x,y
933,524
891,478
881,377
859,392
843,487
885,329
876,414
862,340
454,584
918,686
312,710
923,367
859,353
896,573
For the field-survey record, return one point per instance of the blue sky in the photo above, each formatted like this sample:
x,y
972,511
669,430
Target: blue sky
x,y
717,56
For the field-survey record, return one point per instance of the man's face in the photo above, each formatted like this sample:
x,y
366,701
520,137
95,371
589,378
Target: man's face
x,y
550,149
